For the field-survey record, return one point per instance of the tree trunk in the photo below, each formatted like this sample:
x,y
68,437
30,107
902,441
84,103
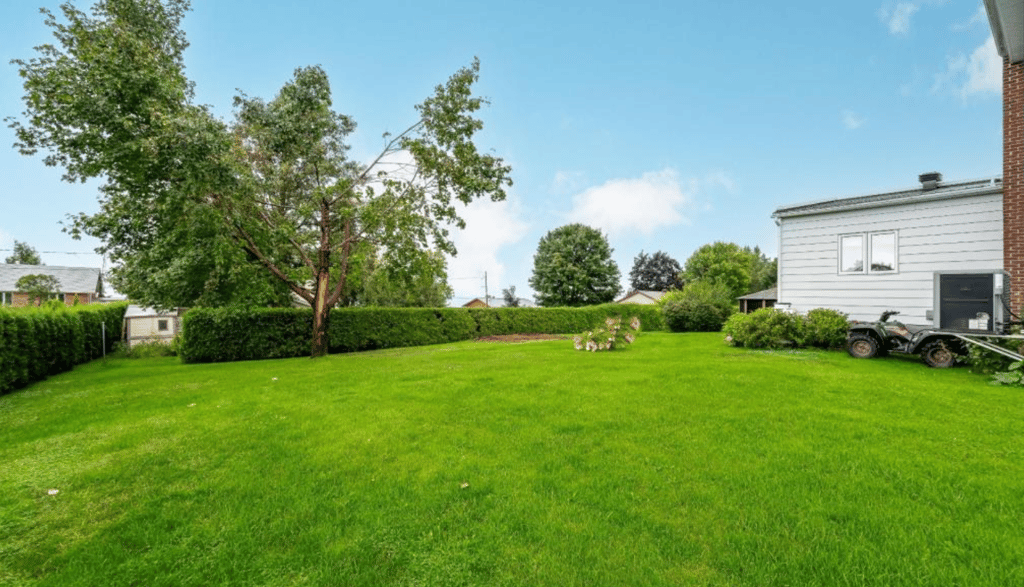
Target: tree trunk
x,y
321,315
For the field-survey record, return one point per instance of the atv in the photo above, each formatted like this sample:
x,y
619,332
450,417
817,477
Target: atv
x,y
937,348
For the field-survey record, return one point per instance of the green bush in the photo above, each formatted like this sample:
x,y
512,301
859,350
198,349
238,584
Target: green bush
x,y
826,328
765,328
150,349
699,307
38,342
237,334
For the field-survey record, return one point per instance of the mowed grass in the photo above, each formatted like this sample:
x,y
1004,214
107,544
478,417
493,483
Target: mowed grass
x,y
677,461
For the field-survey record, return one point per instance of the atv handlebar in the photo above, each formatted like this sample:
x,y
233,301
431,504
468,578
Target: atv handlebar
x,y
887,314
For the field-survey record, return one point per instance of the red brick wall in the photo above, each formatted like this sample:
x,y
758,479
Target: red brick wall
x,y
1013,179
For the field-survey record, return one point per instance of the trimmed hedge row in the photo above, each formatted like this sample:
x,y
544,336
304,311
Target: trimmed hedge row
x,y
38,342
242,334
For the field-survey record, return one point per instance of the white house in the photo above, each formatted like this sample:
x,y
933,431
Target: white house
x,y
866,254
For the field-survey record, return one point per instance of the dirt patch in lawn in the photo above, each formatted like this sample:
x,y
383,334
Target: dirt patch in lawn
x,y
520,337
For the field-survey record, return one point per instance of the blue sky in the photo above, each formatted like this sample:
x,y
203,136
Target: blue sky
x,y
666,124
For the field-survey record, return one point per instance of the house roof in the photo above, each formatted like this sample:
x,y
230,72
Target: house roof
x,y
1006,17
134,311
771,293
944,190
496,302
72,279
653,295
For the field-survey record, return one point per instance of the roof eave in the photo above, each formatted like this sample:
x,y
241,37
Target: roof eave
x,y
1006,18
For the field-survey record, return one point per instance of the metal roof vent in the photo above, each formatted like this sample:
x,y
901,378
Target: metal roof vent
x,y
929,181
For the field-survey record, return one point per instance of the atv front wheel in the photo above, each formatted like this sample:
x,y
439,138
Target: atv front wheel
x,y
938,354
862,346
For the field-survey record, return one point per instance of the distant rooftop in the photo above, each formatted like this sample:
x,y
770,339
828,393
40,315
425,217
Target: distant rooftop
x,y
71,279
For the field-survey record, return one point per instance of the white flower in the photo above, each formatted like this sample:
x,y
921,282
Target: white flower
x,y
273,378
635,323
191,405
728,338
53,491
630,338
578,343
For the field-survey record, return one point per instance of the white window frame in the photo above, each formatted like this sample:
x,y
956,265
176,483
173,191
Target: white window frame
x,y
867,240
6,298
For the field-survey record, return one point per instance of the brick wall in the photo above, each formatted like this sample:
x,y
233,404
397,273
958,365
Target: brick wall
x,y
1013,179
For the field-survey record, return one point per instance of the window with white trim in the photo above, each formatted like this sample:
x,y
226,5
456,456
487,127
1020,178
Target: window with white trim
x,y
868,252
6,298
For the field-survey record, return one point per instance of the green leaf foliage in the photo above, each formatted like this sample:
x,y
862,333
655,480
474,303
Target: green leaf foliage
x,y
24,255
742,269
702,306
38,287
573,267
766,328
38,342
826,328
197,211
657,272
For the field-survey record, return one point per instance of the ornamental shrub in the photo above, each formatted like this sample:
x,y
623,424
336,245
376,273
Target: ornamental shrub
x,y
609,335
699,307
826,328
766,328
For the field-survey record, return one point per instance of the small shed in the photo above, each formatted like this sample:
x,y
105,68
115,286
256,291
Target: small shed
x,y
149,325
645,297
759,299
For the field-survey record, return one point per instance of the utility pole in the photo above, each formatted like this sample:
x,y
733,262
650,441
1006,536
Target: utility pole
x,y
487,297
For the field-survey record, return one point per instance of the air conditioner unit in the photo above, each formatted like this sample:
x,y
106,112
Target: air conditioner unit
x,y
972,301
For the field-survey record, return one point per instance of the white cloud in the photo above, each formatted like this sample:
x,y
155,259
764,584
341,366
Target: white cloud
x,y
567,182
852,120
979,17
980,73
489,227
897,18
643,205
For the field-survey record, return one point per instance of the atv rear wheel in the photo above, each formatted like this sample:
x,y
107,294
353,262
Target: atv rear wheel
x,y
862,346
938,354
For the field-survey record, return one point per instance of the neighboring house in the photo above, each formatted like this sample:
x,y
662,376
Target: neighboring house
x,y
645,297
148,325
496,302
757,300
83,282
867,254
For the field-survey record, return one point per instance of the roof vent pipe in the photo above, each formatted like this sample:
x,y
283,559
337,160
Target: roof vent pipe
x,y
929,181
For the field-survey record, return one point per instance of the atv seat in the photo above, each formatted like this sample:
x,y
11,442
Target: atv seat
x,y
915,328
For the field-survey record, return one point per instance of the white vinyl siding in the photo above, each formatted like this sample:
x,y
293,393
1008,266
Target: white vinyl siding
x,y
963,233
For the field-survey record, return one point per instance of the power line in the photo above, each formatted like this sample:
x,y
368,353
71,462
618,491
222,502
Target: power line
x,y
55,252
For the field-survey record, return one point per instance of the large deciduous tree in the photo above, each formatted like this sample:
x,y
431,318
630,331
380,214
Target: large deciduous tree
x,y
193,206
24,255
741,269
657,272
573,266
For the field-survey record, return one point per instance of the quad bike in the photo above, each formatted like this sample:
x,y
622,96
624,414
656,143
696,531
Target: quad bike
x,y
937,348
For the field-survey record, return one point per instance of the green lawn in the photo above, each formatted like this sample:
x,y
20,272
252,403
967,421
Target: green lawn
x,y
677,461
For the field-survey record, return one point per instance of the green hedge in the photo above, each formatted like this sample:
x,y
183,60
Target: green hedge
x,y
236,334
38,342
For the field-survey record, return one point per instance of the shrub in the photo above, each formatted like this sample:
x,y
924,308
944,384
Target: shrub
x,y
38,342
607,336
699,307
765,328
150,349
826,328
238,334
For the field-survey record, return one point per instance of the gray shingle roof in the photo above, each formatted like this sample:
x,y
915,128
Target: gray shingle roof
x,y
943,191
765,294
72,279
